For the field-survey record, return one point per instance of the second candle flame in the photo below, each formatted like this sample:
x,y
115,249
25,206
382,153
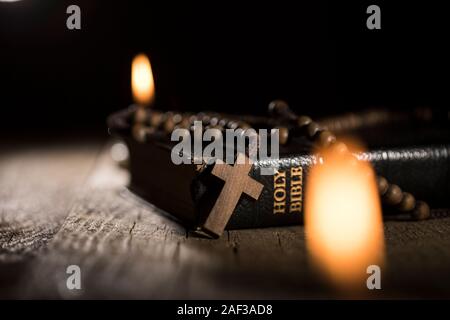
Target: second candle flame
x,y
142,83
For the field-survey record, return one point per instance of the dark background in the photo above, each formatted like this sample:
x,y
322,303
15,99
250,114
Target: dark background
x,y
220,55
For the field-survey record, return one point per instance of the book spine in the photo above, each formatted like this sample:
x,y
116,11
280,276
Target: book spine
x,y
424,172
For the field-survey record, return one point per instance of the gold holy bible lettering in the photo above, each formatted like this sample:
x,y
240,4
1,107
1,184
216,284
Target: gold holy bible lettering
x,y
295,194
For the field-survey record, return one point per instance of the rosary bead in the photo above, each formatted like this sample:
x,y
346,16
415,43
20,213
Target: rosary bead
x,y
283,135
167,115
326,138
141,115
278,107
408,202
156,119
192,119
214,121
421,211
303,121
393,195
244,125
383,185
139,132
232,125
223,122
206,119
177,118
169,125
312,129
339,147
185,123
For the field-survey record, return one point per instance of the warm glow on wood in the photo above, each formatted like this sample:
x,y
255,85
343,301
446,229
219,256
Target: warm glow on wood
x,y
142,83
343,218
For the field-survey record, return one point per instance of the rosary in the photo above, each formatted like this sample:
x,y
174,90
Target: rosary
x,y
148,123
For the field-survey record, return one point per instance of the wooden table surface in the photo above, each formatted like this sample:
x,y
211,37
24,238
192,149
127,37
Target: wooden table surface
x,y
67,204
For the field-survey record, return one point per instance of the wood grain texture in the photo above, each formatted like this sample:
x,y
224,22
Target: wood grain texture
x,y
38,185
128,249
37,188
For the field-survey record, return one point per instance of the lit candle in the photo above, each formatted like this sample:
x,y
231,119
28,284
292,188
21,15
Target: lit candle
x,y
343,219
142,83
143,89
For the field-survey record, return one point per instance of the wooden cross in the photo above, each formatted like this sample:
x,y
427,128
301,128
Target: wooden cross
x,y
237,182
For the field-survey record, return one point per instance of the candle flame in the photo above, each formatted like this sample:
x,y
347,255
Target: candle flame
x,y
142,82
343,220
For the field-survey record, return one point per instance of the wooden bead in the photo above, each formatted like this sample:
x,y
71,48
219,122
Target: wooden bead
x,y
312,129
232,125
244,125
223,122
393,195
169,125
303,121
278,107
283,135
192,119
177,118
172,121
326,138
166,116
156,119
421,211
140,115
339,147
139,132
408,202
383,185
185,123
206,119
214,121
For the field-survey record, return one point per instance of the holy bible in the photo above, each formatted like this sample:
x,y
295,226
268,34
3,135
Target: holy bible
x,y
188,192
